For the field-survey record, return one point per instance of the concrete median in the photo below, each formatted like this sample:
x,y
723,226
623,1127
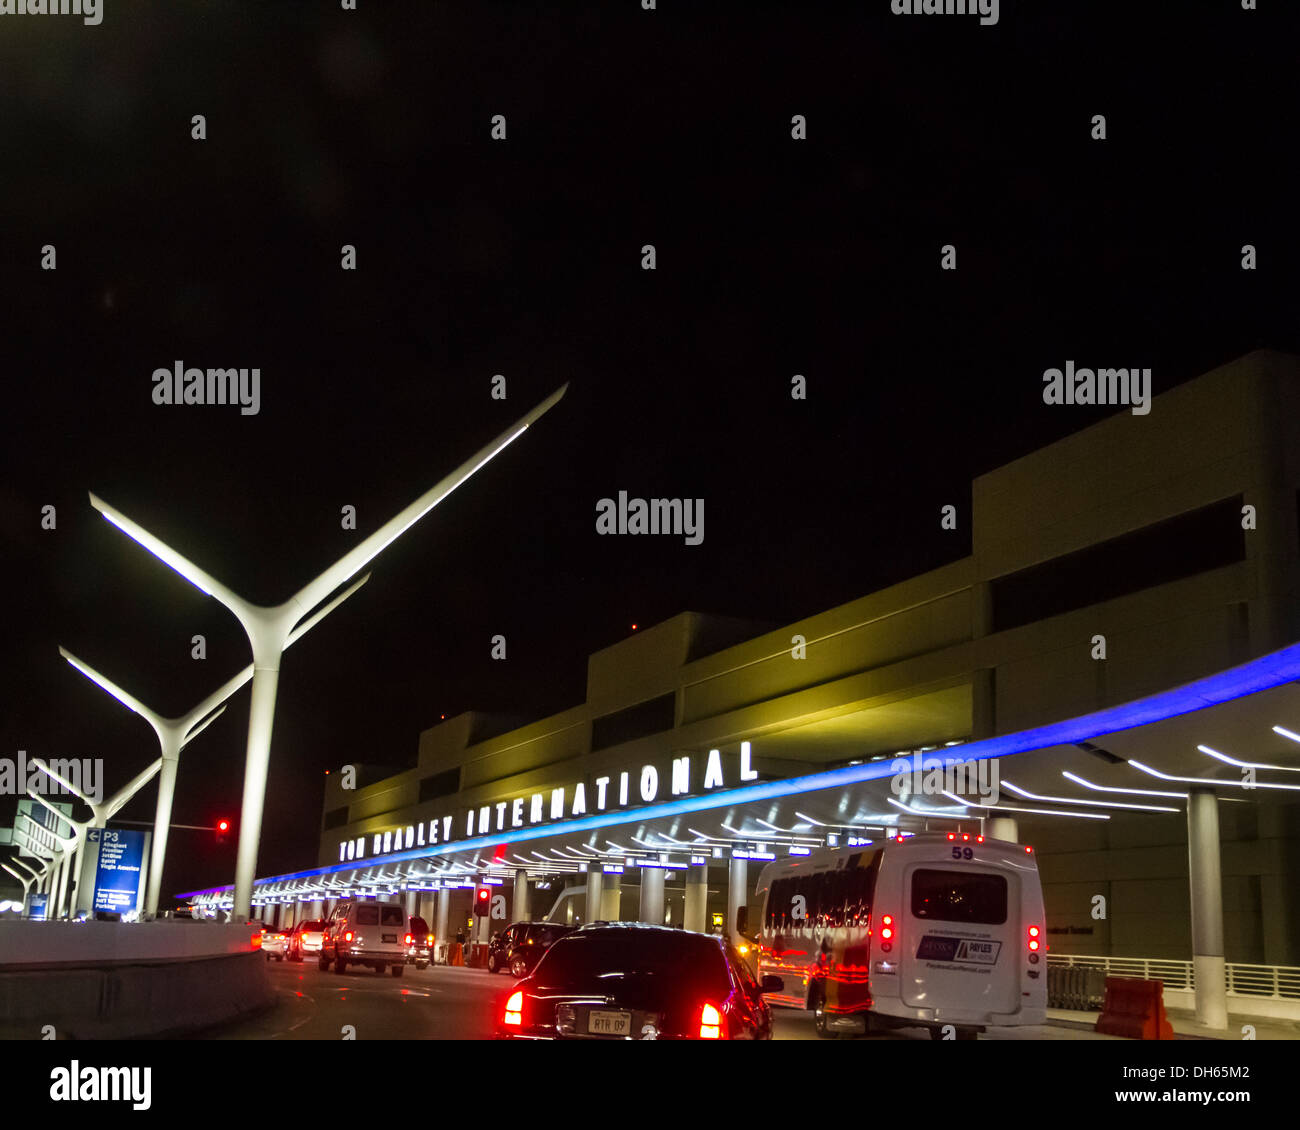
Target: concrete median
x,y
126,981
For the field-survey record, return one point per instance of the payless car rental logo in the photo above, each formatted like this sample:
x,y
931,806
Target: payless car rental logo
x,y
75,1083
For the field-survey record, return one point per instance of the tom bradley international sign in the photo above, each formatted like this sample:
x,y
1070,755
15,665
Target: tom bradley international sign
x,y
624,790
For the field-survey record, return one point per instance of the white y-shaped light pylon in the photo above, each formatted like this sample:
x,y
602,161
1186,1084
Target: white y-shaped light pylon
x,y
174,734
268,629
25,880
38,876
60,860
100,814
42,876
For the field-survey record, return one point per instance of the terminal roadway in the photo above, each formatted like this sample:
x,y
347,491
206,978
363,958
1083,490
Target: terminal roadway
x,y
443,1003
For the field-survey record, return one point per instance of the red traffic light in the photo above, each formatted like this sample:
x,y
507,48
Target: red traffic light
x,y
223,825
482,902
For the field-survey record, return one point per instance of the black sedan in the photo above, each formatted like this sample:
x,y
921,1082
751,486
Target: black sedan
x,y
627,981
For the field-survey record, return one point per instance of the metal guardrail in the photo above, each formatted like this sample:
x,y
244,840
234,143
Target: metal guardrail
x,y
1079,978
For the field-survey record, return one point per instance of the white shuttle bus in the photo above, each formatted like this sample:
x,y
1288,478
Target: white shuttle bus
x,y
935,930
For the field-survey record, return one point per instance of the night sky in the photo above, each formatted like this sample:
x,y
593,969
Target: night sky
x,y
523,258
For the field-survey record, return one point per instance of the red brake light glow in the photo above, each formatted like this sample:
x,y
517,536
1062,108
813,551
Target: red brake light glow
x,y
887,928
347,937
710,1023
1034,943
408,939
515,1008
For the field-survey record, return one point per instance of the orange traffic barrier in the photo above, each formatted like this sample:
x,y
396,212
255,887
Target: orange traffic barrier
x,y
1135,1009
456,954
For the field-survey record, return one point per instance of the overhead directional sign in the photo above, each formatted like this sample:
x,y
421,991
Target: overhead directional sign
x,y
119,873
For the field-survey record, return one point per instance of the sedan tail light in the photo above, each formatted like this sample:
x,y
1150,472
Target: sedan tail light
x,y
515,1008
710,1023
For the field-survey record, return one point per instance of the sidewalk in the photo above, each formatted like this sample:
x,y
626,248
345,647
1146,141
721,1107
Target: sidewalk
x,y
1185,1026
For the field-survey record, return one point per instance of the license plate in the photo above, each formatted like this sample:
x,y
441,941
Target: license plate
x,y
390,937
609,1023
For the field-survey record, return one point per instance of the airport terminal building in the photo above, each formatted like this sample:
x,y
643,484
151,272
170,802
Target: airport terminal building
x,y
1132,600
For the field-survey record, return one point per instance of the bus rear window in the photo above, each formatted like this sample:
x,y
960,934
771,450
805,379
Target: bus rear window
x,y
959,896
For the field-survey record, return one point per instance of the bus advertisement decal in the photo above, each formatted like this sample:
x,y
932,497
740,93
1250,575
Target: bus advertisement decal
x,y
935,947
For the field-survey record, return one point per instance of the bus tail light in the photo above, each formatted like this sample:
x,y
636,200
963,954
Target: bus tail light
x,y
408,939
515,1008
710,1023
1034,940
888,934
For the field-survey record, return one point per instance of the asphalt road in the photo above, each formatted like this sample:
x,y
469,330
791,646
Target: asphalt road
x,y
443,1003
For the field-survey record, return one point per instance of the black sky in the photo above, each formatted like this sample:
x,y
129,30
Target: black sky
x,y
522,258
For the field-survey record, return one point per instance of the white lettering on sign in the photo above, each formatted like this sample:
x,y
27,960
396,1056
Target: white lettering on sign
x,y
681,775
713,770
480,825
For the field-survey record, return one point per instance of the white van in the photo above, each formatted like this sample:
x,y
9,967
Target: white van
x,y
941,930
365,932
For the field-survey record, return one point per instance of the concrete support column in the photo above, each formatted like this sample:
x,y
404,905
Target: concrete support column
x,y
652,896
1207,908
737,893
611,898
1002,828
412,903
65,865
520,913
444,910
594,883
697,898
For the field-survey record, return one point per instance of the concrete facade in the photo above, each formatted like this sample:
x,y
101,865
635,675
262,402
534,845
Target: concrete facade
x,y
1131,530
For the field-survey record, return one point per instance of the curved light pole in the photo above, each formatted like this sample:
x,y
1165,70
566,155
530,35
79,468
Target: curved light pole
x,y
25,880
59,858
36,875
268,628
101,814
174,734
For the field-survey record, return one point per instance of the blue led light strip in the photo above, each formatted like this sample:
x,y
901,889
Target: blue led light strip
x,y
1261,674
